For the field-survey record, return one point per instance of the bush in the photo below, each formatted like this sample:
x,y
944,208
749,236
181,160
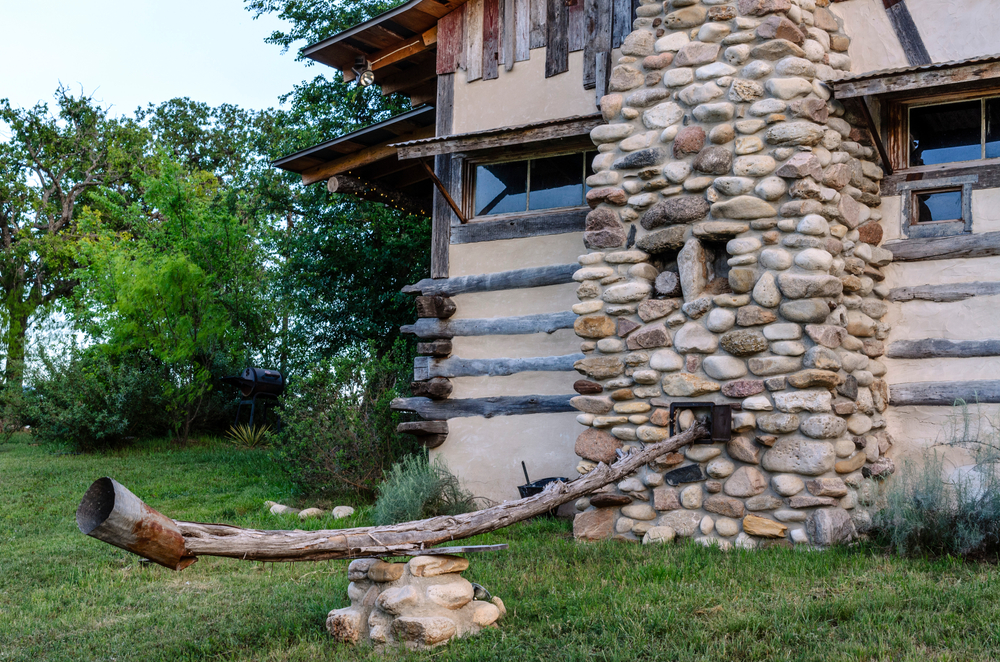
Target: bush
x,y
415,489
91,403
339,432
920,513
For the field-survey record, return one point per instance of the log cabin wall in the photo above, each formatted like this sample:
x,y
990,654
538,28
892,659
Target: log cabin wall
x,y
498,370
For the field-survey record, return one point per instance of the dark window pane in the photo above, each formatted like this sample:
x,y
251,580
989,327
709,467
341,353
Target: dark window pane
x,y
992,128
946,133
556,182
501,188
939,206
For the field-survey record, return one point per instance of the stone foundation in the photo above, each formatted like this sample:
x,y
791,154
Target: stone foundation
x,y
423,603
735,259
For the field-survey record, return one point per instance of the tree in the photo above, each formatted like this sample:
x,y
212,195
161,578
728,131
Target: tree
x,y
51,164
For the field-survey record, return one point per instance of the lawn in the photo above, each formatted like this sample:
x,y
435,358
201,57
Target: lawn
x,y
64,596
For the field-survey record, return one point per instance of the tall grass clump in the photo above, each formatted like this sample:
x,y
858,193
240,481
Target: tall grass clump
x,y
416,488
935,509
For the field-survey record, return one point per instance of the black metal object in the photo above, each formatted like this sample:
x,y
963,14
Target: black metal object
x,y
533,488
719,420
258,383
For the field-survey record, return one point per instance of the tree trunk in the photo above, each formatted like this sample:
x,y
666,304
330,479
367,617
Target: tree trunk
x,y
115,525
16,342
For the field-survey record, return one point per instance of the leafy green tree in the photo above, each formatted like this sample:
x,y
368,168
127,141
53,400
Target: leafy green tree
x,y
51,164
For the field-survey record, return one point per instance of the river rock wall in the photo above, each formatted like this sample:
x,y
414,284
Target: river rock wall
x,y
733,258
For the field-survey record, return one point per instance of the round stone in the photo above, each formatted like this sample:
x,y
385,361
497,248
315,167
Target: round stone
x,y
658,535
733,185
813,224
691,497
771,188
677,171
720,468
787,485
775,258
720,320
727,527
844,448
666,360
743,342
814,259
742,245
610,345
724,367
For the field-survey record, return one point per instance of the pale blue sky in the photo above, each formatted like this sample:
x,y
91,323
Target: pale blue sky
x,y
130,53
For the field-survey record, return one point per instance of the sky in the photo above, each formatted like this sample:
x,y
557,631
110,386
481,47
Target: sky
x,y
128,53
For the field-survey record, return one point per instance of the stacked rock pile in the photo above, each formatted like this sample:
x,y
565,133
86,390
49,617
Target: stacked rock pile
x,y
750,275
339,512
423,603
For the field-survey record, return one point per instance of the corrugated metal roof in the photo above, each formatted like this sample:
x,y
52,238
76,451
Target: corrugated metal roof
x,y
983,59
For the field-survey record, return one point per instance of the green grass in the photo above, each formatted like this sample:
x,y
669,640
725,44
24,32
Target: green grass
x,y
64,596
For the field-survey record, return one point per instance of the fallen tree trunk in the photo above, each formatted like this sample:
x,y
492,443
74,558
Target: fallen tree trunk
x,y
109,513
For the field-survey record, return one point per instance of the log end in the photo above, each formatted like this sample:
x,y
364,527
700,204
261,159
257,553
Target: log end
x,y
112,514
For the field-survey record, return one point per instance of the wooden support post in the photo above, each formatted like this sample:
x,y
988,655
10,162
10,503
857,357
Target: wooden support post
x,y
437,388
430,433
435,306
440,348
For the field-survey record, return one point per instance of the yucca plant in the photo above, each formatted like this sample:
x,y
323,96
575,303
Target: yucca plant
x,y
249,436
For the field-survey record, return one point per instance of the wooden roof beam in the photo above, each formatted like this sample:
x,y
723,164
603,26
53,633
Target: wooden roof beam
x,y
364,157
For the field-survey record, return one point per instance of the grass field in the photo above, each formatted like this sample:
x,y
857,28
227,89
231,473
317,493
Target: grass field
x,y
64,596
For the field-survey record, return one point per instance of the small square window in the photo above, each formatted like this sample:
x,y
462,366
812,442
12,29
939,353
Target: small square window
x,y
937,208
548,182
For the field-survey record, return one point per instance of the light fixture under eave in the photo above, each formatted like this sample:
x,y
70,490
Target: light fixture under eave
x,y
363,71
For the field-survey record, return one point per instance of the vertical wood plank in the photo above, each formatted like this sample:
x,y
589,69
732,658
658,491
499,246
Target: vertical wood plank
x,y
442,213
464,12
557,50
491,38
597,24
474,40
522,29
603,71
576,17
502,32
451,42
621,21
509,24
538,35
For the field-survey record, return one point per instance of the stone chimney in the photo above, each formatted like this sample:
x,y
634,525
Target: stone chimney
x,y
734,260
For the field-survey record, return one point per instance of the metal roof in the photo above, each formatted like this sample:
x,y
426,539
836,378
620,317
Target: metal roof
x,y
982,59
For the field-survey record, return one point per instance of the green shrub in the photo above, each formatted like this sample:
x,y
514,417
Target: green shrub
x,y
415,489
921,513
339,432
90,402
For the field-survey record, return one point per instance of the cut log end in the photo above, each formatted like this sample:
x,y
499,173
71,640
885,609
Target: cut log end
x,y
111,513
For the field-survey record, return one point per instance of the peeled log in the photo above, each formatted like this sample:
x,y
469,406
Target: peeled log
x,y
111,513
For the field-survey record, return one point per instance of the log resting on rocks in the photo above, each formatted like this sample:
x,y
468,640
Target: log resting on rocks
x,y
111,513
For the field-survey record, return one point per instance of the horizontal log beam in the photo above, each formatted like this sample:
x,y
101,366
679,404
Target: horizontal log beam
x,y
518,279
438,388
944,394
362,158
500,138
520,227
939,348
945,293
406,539
945,248
430,433
425,367
441,410
915,80
492,326
377,192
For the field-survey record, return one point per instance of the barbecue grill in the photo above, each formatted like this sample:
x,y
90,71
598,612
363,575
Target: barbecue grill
x,y
254,383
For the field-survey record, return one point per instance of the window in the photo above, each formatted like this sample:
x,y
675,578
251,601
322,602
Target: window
x,y
937,207
545,182
954,132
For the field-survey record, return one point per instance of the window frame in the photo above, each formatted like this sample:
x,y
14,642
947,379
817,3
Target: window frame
x,y
471,162
910,107
911,229
897,113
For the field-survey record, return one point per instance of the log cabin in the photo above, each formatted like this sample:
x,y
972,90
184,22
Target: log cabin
x,y
777,216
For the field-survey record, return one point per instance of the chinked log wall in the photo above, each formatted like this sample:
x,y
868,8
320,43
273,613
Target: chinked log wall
x,y
945,393
433,370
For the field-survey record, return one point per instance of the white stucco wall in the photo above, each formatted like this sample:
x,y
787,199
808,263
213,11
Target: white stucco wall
x,y
487,452
522,95
957,29
874,44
